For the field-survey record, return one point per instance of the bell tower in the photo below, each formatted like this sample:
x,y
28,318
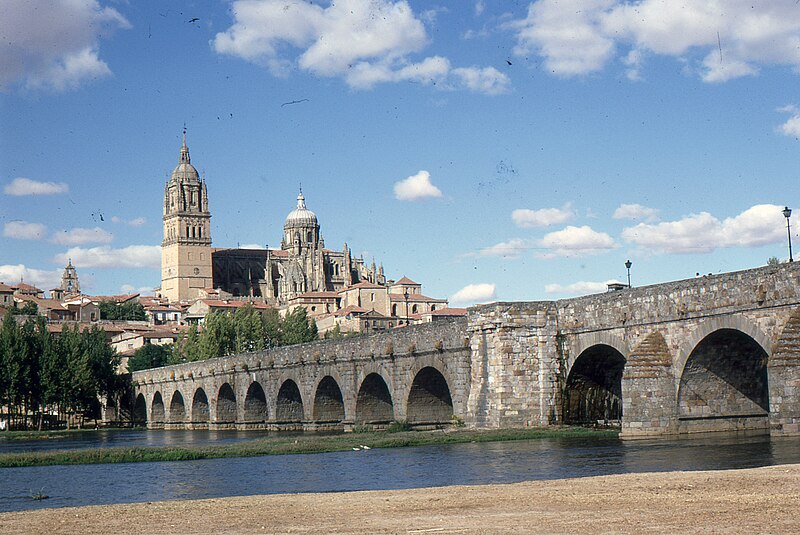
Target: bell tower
x,y
186,249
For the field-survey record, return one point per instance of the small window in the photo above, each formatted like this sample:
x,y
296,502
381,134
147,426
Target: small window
x,y
372,296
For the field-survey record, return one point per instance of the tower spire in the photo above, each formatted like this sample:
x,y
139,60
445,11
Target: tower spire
x,y
184,148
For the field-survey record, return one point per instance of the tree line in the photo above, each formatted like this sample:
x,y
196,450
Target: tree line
x,y
228,334
45,377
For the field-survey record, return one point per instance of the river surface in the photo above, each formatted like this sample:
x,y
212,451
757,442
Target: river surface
x,y
428,466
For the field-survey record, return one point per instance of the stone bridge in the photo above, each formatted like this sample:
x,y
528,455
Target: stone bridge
x,y
720,352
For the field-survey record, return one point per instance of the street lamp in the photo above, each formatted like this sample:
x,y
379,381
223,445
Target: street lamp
x,y
628,265
787,213
405,298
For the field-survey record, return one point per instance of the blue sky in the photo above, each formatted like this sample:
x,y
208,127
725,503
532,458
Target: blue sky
x,y
489,150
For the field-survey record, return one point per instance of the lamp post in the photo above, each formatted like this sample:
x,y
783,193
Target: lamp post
x,y
628,265
787,213
405,298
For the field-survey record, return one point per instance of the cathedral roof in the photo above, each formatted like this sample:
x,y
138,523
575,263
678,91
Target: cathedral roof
x,y
407,282
300,216
184,171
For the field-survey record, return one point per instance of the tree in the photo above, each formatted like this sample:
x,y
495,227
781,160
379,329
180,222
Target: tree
x,y
219,335
272,328
149,356
249,329
127,311
297,328
773,261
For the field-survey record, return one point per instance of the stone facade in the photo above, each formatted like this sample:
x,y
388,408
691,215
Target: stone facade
x,y
713,353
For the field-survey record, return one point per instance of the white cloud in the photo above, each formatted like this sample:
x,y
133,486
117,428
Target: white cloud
x,y
579,288
416,187
576,241
365,42
791,127
474,293
133,256
486,80
25,186
720,40
44,280
136,222
703,233
509,249
54,44
23,230
636,212
252,246
129,289
480,7
544,217
80,236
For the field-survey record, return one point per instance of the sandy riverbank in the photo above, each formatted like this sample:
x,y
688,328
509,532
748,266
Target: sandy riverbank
x,y
760,500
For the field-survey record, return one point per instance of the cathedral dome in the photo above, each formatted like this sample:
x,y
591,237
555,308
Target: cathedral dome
x,y
300,216
185,171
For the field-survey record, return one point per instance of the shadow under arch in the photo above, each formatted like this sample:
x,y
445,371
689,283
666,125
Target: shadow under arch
x,y
429,400
593,390
177,408
157,411
139,414
200,415
289,409
374,401
226,405
255,404
725,377
328,402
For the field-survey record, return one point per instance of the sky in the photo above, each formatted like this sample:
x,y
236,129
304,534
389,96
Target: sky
x,y
490,150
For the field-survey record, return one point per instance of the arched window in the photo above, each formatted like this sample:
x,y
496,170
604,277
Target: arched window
x,y
414,309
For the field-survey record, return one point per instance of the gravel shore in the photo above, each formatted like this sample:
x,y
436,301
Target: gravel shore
x,y
759,500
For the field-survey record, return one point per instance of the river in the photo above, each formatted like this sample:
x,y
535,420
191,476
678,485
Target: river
x,y
478,463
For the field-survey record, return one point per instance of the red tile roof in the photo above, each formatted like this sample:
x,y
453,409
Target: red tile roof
x,y
352,309
406,282
5,288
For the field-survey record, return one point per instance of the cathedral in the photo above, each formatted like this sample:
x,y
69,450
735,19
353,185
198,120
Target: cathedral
x,y
191,267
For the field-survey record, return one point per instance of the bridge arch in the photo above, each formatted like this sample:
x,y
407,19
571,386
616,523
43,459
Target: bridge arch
x,y
736,323
139,415
593,390
177,408
587,340
725,377
157,411
200,415
429,400
374,403
328,401
289,408
226,405
255,404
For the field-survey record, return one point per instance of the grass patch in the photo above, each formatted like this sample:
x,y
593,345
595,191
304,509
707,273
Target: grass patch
x,y
289,445
55,434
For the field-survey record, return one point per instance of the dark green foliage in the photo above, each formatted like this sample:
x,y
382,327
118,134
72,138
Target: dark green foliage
x,y
40,373
246,330
149,356
297,328
28,309
127,311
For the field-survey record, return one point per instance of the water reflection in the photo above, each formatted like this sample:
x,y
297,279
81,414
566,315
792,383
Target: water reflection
x,y
428,466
